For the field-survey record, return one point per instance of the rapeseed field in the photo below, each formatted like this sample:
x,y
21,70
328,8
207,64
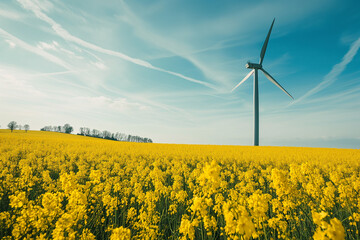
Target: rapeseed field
x,y
61,186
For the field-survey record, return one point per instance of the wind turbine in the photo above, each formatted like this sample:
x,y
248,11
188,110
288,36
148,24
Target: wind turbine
x,y
256,67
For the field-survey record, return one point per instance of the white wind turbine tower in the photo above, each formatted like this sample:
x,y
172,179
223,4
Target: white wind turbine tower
x,y
256,67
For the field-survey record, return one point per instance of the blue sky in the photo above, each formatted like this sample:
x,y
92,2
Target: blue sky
x,y
165,69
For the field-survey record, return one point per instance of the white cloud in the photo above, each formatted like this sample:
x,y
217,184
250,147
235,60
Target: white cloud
x,y
185,38
48,46
44,5
337,69
100,65
33,49
11,43
55,46
173,45
10,14
14,85
118,104
37,5
37,10
56,73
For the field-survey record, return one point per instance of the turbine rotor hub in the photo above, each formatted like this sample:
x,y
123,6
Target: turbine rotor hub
x,y
253,65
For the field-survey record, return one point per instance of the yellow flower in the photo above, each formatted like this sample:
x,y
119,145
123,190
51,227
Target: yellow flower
x,y
336,230
63,186
18,200
120,233
326,231
186,228
318,217
87,235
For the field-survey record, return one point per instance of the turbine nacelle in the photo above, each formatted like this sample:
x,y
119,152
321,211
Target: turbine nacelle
x,y
253,65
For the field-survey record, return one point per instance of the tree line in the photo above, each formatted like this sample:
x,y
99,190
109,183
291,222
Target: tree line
x,y
85,131
13,125
67,128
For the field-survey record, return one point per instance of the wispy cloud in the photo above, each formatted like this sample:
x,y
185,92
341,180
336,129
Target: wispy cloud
x,y
337,69
99,65
69,60
222,26
22,84
56,47
48,46
9,37
30,78
14,84
11,43
10,14
56,73
346,98
117,104
36,8
176,47
148,101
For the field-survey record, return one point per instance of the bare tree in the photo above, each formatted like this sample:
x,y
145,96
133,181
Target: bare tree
x,y
26,127
12,125
106,134
87,131
46,128
96,133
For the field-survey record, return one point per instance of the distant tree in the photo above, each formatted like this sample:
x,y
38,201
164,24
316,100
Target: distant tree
x,y
124,137
12,125
106,134
117,136
46,128
87,131
121,137
96,133
20,127
26,127
68,128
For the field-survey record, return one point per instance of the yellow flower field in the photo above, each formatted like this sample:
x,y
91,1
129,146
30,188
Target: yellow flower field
x,y
61,186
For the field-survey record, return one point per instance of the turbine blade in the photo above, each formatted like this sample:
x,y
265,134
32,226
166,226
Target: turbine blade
x,y
263,50
275,82
246,77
